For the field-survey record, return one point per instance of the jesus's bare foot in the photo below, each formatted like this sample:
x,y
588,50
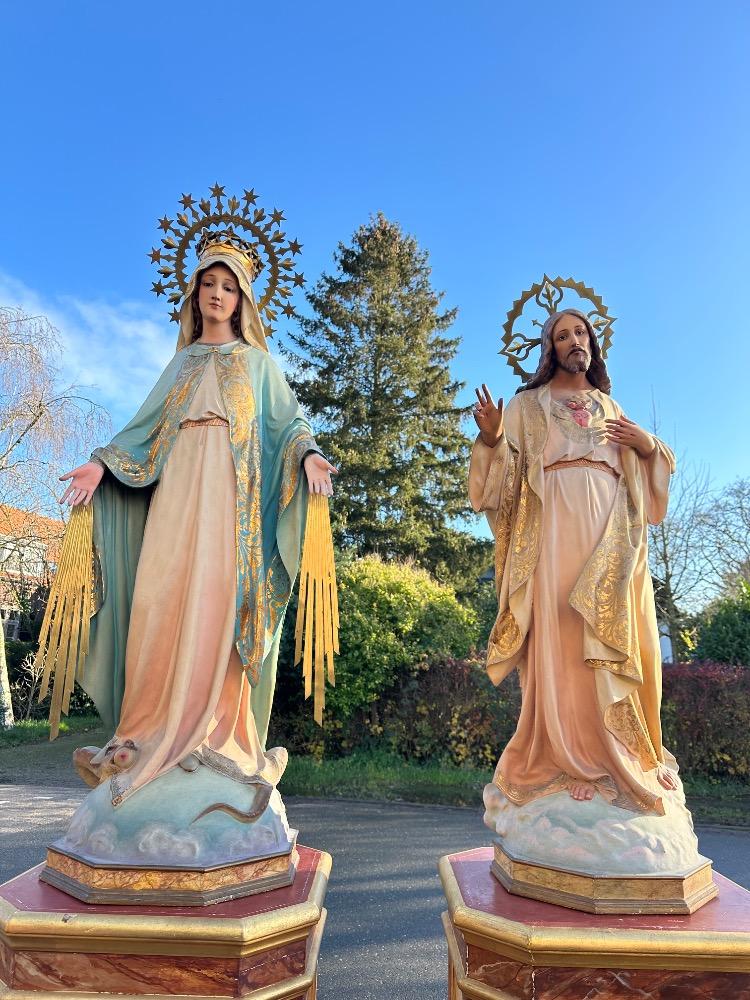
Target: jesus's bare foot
x,y
666,778
581,791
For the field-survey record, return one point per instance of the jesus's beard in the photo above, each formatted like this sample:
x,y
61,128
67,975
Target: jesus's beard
x,y
576,362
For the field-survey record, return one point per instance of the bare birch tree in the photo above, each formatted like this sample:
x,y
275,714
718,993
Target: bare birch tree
x,y
728,535
45,425
683,580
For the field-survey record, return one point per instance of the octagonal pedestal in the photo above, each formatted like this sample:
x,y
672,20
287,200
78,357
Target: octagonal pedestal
x,y
507,947
263,947
683,892
185,886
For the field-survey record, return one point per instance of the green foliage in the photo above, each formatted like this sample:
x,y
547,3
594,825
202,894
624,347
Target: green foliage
x,y
450,711
706,718
371,366
392,616
16,651
723,631
379,775
37,730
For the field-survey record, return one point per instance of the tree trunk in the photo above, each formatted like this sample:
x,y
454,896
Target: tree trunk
x,y
6,706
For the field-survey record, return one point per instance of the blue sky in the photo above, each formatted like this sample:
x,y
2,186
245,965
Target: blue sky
x,y
605,141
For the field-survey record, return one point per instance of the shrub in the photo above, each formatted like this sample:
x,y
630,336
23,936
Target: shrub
x,y
706,718
723,631
450,711
393,617
25,681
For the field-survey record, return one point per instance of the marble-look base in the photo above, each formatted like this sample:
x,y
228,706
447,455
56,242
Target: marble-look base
x,y
506,947
263,947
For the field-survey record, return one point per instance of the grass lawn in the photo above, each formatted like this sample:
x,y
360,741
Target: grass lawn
x,y
374,775
379,776
37,730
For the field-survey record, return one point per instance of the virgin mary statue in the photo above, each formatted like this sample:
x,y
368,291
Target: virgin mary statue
x,y
199,510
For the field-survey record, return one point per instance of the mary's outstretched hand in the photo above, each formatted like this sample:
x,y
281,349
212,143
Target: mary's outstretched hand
x,y
318,471
85,479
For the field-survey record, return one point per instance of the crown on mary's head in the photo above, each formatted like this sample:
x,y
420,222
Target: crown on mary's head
x,y
227,241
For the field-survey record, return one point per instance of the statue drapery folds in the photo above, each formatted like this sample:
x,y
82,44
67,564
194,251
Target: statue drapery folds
x,y
612,593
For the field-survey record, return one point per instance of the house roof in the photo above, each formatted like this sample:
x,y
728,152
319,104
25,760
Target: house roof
x,y
17,523
25,527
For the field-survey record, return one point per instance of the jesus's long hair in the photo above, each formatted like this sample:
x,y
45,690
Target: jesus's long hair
x,y
597,371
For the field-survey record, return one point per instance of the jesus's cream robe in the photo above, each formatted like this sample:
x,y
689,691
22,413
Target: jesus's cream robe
x,y
575,601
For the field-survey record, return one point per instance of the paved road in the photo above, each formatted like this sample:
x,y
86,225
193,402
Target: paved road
x,y
383,940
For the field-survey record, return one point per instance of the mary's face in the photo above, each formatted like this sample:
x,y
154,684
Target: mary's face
x,y
571,343
218,294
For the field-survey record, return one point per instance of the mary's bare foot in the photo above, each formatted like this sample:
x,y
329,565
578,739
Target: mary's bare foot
x,y
581,791
666,778
95,764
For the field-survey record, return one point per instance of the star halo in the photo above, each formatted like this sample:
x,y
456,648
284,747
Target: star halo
x,y
261,228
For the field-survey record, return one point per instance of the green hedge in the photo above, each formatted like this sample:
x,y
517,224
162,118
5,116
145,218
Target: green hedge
x,y
723,630
706,718
394,617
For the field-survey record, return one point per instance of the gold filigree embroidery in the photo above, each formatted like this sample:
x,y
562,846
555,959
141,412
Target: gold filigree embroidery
x,y
122,464
582,463
505,638
624,799
527,527
140,473
520,794
503,521
625,724
534,426
601,593
527,536
292,468
239,400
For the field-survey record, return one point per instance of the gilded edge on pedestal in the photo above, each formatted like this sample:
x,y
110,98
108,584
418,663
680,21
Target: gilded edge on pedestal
x,y
592,947
147,879
289,990
146,934
636,894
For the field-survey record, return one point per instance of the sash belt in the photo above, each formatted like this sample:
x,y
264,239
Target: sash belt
x,y
206,422
585,463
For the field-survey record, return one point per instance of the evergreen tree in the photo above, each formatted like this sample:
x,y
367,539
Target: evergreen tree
x,y
371,363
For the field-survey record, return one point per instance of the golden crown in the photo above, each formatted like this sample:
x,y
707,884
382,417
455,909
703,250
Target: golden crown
x,y
228,242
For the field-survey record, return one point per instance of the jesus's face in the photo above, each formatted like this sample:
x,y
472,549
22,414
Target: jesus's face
x,y
572,344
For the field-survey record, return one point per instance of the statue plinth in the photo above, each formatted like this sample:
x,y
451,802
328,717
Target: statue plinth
x,y
679,892
263,946
508,947
169,844
95,882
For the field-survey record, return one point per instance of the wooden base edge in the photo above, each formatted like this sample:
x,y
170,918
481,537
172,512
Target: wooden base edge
x,y
301,987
